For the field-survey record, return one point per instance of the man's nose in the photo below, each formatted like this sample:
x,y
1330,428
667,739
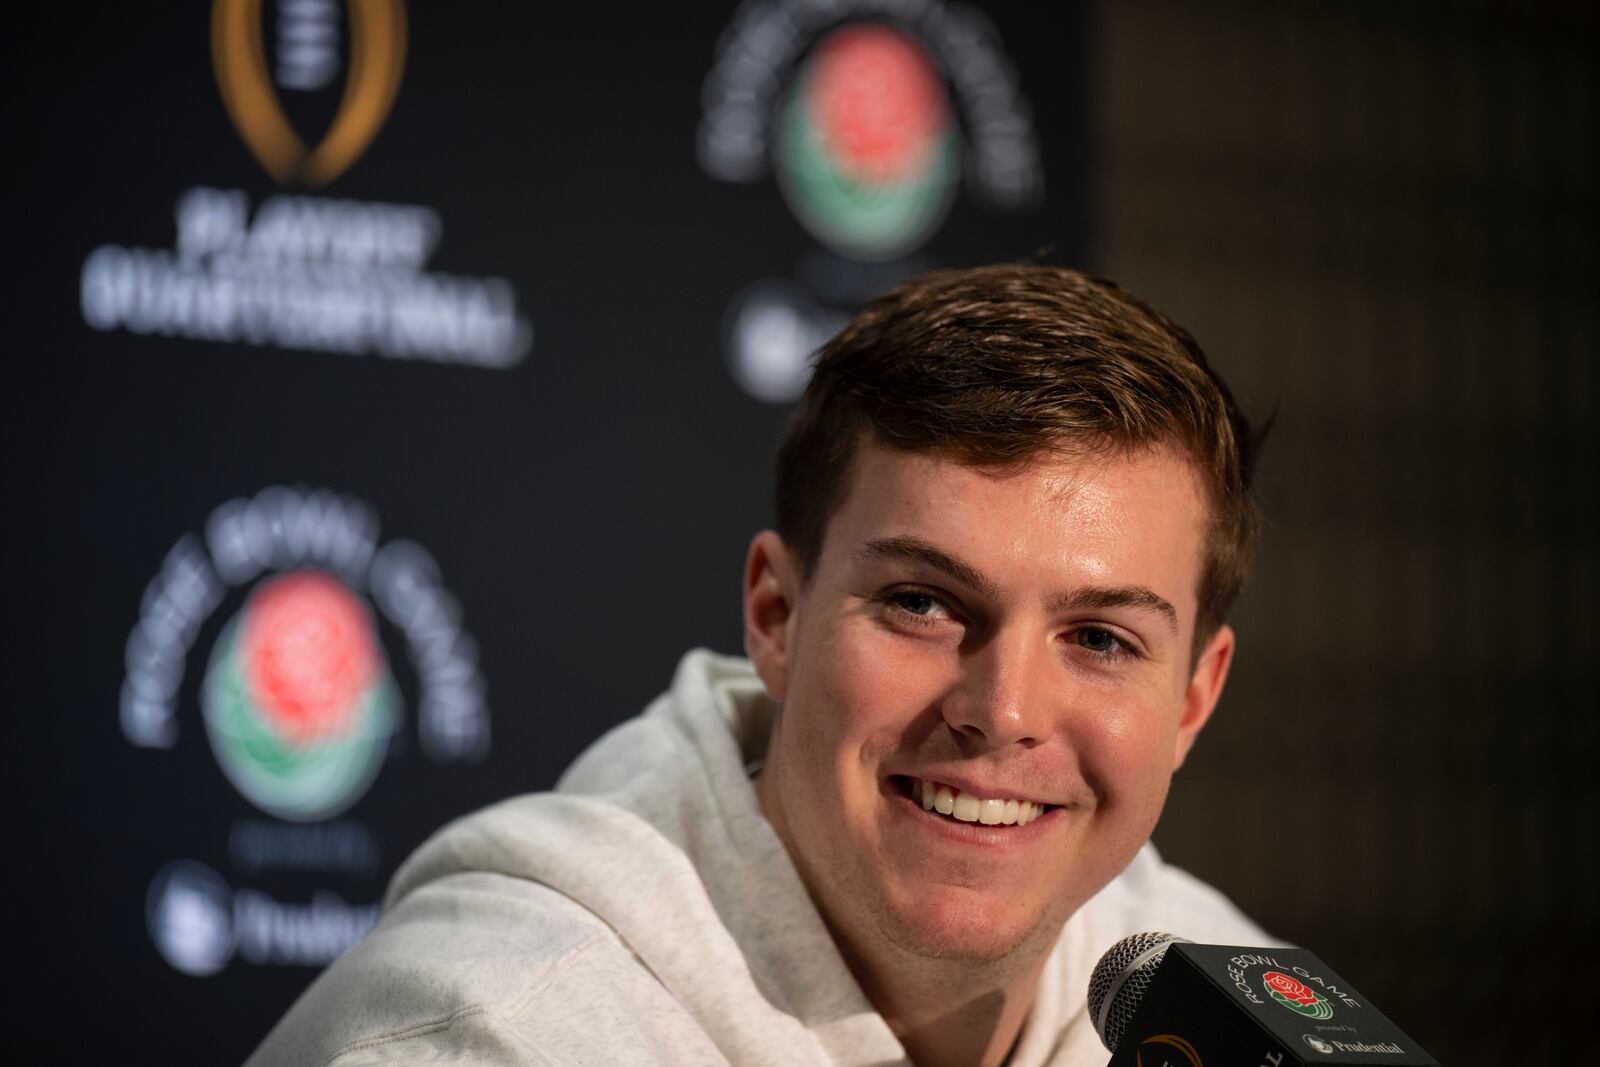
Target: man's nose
x,y
1005,696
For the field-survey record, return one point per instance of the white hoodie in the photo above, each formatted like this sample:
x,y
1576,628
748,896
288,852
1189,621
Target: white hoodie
x,y
646,913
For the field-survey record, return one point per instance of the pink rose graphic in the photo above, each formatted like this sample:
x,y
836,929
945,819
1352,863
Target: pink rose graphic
x,y
1290,988
308,655
878,102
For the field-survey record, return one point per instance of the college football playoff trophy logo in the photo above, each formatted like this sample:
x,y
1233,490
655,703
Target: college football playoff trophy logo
x,y
377,57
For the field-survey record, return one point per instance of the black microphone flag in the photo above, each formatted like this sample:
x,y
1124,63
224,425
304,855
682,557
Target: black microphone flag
x,y
1160,1001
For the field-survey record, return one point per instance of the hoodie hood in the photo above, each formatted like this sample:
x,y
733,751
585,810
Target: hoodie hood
x,y
656,831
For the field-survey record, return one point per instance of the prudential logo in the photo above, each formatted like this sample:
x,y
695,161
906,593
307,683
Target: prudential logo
x,y
298,700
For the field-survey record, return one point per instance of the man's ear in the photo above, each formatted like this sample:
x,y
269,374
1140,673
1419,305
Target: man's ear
x,y
1205,687
770,588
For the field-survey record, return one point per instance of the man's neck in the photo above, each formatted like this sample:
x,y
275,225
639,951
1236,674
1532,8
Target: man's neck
x,y
950,1012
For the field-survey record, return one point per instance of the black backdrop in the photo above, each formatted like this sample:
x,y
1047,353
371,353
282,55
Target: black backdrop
x,y
1379,219
587,507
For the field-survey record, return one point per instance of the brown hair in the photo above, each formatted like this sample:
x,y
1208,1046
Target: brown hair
x,y
997,364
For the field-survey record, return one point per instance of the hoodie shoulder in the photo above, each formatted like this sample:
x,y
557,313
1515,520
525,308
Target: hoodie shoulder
x,y
483,968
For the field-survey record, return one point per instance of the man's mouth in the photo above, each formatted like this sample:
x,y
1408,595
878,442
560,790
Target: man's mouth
x,y
969,807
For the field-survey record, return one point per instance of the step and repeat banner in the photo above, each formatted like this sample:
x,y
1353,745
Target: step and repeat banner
x,y
392,405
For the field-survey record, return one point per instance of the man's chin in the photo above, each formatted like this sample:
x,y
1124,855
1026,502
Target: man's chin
x,y
964,926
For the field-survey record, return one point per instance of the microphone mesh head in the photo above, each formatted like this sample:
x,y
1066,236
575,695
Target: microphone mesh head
x,y
1120,981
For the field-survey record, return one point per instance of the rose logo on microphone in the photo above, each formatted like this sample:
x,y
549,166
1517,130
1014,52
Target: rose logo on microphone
x,y
1296,995
307,59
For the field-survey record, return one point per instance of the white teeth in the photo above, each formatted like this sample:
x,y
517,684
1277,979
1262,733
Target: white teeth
x,y
967,808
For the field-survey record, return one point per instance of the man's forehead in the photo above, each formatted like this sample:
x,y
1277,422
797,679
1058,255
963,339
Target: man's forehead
x,y
1084,479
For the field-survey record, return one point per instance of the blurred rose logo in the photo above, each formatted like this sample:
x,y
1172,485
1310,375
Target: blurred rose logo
x,y
298,699
1296,995
866,151
308,655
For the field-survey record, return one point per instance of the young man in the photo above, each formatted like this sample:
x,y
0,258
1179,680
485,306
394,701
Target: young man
x,y
1013,511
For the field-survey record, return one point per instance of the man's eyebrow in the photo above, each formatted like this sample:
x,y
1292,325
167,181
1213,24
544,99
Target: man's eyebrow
x,y
1124,596
916,550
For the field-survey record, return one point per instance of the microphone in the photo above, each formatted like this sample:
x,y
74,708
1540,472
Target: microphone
x,y
1158,1000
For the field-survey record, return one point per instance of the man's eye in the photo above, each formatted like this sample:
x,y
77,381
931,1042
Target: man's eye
x,y
915,607
923,604
1103,642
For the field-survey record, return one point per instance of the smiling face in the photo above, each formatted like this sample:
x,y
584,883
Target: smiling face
x,y
970,636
